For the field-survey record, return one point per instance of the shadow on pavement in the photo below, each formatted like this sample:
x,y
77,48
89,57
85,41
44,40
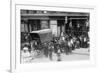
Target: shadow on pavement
x,y
81,53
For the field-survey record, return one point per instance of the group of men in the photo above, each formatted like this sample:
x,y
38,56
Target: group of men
x,y
63,44
59,46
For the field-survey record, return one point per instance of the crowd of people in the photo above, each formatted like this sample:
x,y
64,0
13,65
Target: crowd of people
x,y
63,44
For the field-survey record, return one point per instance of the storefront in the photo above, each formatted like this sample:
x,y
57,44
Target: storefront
x,y
39,23
67,22
77,25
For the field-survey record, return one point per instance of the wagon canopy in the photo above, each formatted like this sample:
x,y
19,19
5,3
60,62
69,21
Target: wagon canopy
x,y
44,35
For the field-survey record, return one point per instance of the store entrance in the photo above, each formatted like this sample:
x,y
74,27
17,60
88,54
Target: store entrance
x,y
34,25
77,26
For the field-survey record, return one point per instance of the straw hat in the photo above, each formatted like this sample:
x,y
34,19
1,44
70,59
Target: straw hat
x,y
25,48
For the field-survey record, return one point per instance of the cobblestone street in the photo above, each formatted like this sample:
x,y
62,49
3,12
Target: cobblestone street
x,y
77,54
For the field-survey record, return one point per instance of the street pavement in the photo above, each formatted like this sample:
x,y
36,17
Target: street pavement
x,y
77,54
